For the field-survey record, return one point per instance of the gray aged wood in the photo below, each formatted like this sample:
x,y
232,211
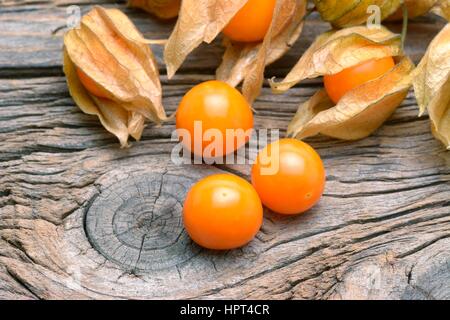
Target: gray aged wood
x,y
81,218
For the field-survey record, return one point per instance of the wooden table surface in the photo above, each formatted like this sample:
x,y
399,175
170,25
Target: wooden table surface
x,y
81,218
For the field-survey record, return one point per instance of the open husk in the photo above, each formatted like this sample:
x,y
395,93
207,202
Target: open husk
x,y
110,50
198,21
202,20
247,61
362,110
334,51
163,9
348,13
432,85
359,113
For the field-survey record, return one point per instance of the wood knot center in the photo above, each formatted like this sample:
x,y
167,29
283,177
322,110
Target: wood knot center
x,y
136,222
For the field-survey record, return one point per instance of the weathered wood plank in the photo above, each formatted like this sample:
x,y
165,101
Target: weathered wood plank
x,y
381,230
382,193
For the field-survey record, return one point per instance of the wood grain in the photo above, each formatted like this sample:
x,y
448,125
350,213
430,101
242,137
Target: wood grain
x,y
81,218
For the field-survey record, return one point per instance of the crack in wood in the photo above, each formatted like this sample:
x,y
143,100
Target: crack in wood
x,y
22,284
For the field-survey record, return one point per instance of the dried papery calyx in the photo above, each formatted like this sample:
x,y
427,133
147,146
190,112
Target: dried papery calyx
x,y
199,21
202,21
359,113
335,51
246,62
163,9
348,13
432,85
417,8
111,72
442,8
362,109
